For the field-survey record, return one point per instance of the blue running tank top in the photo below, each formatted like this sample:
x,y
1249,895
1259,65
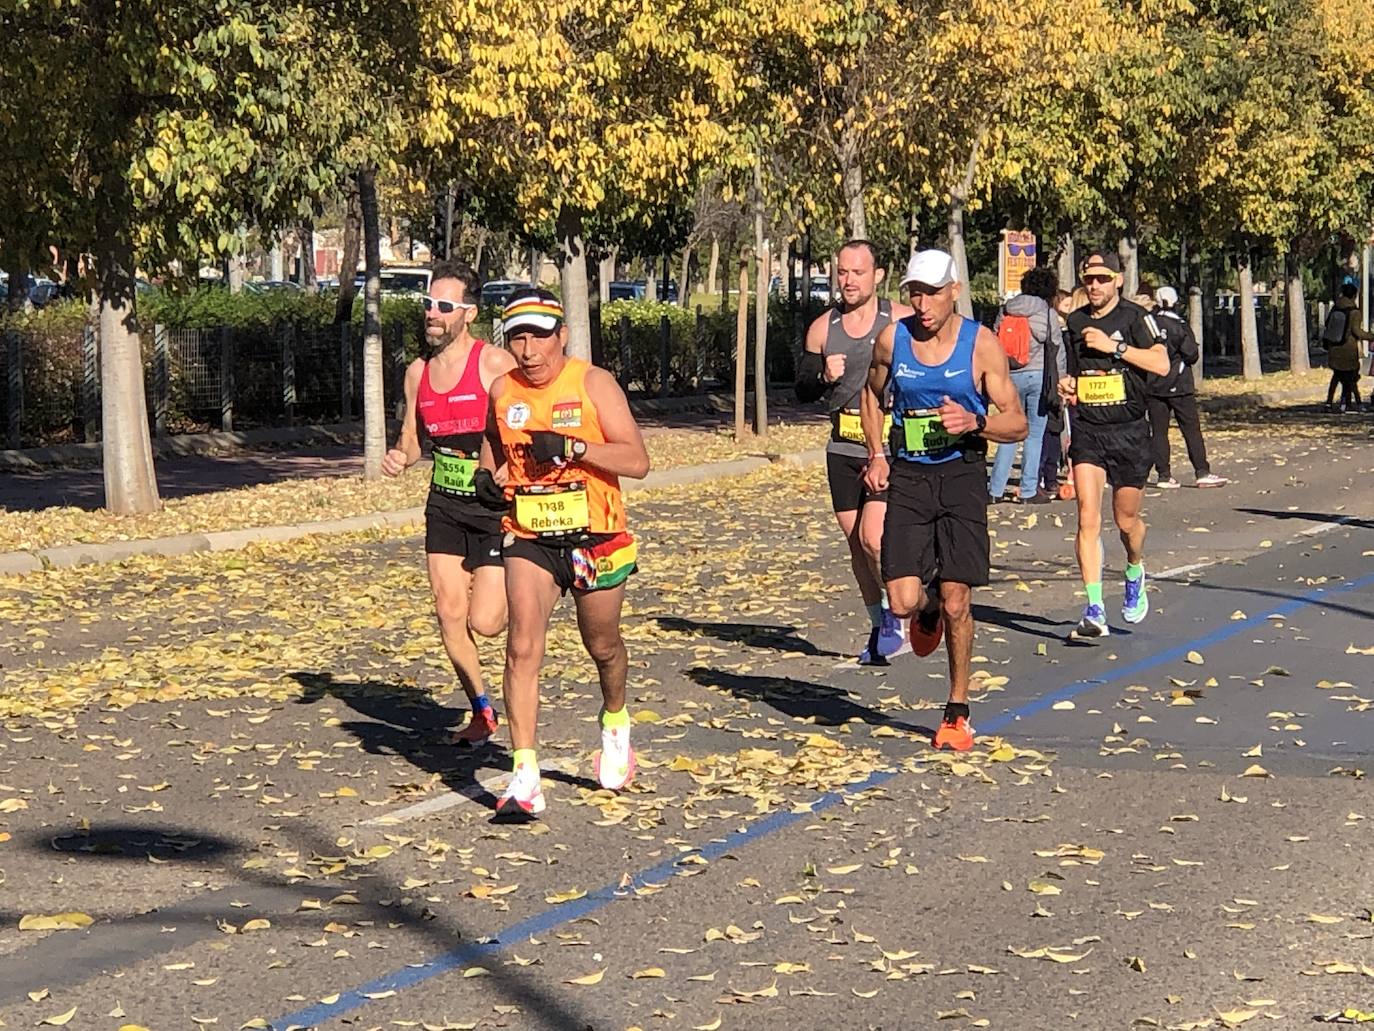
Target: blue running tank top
x,y
918,390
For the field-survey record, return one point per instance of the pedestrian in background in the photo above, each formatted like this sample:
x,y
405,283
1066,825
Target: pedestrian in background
x,y
1171,397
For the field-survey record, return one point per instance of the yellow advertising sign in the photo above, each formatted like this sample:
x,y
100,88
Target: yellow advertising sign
x,y
1017,257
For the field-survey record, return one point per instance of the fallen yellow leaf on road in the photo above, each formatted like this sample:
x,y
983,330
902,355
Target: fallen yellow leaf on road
x,y
56,922
588,979
61,1019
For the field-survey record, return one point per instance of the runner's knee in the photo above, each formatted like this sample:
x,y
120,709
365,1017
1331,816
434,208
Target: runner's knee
x,y
604,645
524,648
452,610
486,623
956,603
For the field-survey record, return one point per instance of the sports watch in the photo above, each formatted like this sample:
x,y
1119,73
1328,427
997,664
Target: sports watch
x,y
578,449
1121,349
982,424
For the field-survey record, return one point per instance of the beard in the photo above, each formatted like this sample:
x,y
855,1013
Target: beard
x,y
443,339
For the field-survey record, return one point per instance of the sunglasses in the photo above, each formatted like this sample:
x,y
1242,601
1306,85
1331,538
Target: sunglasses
x,y
1098,279
445,307
1018,249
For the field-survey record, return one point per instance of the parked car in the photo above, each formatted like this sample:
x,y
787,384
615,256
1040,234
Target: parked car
x,y
263,286
497,292
404,280
628,290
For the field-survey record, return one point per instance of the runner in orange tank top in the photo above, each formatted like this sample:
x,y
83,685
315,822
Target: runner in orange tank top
x,y
565,432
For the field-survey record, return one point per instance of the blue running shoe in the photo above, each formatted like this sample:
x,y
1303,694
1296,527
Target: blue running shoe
x,y
1093,623
1137,602
891,635
872,655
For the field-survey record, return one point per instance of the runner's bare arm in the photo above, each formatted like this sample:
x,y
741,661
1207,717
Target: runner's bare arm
x,y
871,397
493,454
901,311
623,454
407,450
990,368
496,362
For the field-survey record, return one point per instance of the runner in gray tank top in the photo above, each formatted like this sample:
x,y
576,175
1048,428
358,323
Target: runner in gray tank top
x,y
834,369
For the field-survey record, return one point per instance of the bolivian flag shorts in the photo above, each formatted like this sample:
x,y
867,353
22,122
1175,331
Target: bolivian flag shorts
x,y
605,564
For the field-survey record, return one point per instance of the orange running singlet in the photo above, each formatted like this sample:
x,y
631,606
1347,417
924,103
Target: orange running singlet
x,y
560,505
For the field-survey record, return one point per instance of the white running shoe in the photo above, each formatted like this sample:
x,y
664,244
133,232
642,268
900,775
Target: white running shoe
x,y
615,762
1168,483
1212,480
524,798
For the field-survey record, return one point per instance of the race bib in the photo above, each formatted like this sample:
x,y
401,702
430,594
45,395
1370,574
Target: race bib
x,y
1101,388
453,473
552,510
924,434
849,426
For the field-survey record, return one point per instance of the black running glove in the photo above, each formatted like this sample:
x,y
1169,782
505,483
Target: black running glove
x,y
548,446
489,494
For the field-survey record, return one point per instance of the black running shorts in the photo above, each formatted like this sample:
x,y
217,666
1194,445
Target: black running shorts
x,y
937,523
450,530
1121,449
847,490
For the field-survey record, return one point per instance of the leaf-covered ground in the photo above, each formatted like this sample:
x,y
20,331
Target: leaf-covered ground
x,y
217,762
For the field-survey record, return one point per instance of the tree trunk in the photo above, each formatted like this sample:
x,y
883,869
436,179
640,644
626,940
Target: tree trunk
x,y
760,310
126,446
1068,262
958,198
741,345
237,269
1249,331
275,257
852,185
348,268
572,259
714,266
1195,316
18,297
684,282
594,292
309,282
1298,360
606,275
1128,250
374,402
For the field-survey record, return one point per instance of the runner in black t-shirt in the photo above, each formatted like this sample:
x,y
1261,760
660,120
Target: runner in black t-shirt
x,y
1112,345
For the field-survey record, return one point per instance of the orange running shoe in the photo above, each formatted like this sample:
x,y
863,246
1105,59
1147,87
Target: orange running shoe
x,y
479,730
926,630
956,734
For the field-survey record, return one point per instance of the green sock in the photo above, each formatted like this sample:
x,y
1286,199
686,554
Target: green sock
x,y
875,614
525,757
1135,570
612,720
885,604
1094,593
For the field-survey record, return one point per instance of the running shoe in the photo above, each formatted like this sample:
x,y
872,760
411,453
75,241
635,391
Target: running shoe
x,y
1212,480
1168,483
872,655
615,762
1039,498
1093,623
927,627
956,734
890,635
523,799
1136,604
480,729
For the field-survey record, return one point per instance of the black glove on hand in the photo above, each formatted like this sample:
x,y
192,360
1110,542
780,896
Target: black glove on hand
x,y
548,446
489,495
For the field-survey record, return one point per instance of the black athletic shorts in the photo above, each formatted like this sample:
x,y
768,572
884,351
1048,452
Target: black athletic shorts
x,y
451,530
847,490
558,559
937,523
1122,449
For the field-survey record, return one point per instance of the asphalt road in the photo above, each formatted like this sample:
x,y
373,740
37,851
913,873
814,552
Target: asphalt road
x,y
1169,828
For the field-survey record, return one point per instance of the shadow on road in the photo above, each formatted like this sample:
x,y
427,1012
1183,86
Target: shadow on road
x,y
1313,517
406,721
753,635
1022,622
800,699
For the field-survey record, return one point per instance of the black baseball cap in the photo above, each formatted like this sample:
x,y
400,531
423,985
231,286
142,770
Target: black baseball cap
x,y
1101,263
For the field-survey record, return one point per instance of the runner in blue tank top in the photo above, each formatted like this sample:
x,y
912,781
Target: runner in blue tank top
x,y
943,370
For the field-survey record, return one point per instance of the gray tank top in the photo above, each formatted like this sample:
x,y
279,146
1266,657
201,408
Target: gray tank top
x,y
846,435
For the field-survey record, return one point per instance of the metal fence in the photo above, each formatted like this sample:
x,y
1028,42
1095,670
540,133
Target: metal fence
x,y
196,379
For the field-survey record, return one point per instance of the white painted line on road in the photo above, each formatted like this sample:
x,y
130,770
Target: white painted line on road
x,y
1165,574
1317,528
490,784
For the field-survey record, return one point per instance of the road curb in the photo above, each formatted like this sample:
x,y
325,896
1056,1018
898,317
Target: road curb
x,y
19,562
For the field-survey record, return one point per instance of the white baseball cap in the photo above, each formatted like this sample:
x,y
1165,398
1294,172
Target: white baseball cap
x,y
1167,296
930,268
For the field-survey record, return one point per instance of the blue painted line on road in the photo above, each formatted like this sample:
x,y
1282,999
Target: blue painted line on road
x,y
548,919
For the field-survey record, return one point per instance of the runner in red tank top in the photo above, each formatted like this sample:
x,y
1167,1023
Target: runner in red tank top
x,y
446,398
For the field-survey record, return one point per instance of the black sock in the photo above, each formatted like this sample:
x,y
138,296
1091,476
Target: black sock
x,y
953,710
